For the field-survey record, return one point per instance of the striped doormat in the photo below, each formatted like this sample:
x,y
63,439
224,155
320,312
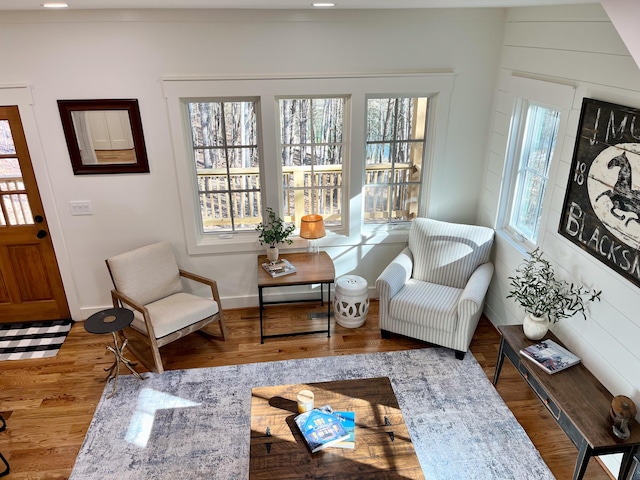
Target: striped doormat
x,y
19,341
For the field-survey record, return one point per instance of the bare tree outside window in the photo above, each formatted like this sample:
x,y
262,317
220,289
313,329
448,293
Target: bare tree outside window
x,y
396,136
313,156
226,155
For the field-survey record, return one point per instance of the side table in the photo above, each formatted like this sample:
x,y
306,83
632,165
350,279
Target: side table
x,y
312,268
577,400
113,320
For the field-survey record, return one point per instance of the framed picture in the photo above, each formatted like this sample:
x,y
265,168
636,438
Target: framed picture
x,y
601,212
104,136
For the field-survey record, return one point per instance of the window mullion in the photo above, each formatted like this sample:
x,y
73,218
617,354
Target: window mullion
x,y
225,149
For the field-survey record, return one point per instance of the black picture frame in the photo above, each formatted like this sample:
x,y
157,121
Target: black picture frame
x,y
601,210
69,110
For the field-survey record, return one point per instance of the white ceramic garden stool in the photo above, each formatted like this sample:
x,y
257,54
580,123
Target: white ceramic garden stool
x,y
351,302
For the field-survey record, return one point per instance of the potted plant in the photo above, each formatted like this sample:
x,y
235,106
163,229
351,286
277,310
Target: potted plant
x,y
273,232
545,298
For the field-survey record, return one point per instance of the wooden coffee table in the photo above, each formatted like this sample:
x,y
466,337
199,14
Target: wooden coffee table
x,y
383,447
311,268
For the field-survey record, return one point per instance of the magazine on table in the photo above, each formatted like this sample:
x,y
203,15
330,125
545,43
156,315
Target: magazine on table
x,y
321,428
348,420
550,356
279,267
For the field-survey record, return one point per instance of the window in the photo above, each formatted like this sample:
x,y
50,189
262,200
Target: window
x,y
532,115
355,149
313,154
15,209
535,130
396,135
224,141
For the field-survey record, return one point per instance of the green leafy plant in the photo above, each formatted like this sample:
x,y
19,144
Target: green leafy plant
x,y
536,288
274,231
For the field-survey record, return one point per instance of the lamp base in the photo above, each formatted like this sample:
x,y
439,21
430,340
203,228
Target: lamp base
x,y
313,247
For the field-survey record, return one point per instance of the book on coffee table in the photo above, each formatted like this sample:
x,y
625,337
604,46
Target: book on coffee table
x,y
348,420
550,356
279,268
321,428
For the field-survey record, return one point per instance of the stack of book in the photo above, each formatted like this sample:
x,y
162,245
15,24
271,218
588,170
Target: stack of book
x,y
279,267
550,356
322,428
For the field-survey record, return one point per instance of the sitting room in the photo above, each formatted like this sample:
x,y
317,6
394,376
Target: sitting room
x,y
206,200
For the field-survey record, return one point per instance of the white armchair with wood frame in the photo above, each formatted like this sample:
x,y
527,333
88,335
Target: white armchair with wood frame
x,y
434,289
149,282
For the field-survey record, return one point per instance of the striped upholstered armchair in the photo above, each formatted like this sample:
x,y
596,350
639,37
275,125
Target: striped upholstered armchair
x,y
434,289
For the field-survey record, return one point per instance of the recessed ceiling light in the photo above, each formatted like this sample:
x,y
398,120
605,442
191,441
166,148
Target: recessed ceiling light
x,y
55,5
323,4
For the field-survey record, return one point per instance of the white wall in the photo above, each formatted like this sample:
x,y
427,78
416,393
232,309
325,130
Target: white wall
x,y
624,15
576,46
125,54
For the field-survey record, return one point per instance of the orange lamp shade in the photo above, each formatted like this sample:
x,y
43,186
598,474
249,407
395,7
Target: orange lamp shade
x,y
312,227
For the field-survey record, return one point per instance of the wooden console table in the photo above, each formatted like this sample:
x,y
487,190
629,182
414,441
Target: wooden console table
x,y
576,399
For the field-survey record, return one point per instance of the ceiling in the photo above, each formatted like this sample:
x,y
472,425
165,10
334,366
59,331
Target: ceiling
x,y
280,4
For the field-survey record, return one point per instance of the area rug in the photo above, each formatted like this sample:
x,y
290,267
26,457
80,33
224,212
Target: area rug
x,y
195,424
19,341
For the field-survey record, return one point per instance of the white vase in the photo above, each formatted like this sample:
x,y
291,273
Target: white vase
x,y
272,254
535,327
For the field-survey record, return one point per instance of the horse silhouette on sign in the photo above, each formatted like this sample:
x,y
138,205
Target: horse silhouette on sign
x,y
623,197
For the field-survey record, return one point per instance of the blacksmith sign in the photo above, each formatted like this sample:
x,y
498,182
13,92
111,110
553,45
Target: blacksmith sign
x,y
601,212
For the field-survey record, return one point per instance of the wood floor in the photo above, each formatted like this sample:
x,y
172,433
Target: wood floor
x,y
48,404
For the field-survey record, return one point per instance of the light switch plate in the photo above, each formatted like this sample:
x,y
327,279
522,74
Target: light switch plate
x,y
81,207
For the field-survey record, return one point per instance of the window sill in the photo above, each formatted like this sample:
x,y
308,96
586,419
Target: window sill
x,y
520,244
247,243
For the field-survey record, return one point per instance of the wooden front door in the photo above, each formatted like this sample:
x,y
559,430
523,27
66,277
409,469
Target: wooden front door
x,y
30,283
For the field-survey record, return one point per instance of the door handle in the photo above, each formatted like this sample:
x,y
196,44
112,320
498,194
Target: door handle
x,y
41,234
38,219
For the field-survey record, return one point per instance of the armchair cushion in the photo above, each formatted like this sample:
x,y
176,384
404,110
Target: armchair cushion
x,y
427,304
448,253
175,312
146,274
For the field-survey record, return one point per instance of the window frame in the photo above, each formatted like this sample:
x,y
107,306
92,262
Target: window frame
x,y
178,90
345,144
423,141
226,148
523,92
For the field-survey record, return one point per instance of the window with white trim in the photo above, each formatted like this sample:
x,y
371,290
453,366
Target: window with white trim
x,y
396,136
227,128
538,116
534,133
224,144
313,151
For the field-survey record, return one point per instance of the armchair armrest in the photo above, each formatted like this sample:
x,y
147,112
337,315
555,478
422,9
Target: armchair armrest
x,y
473,294
207,281
395,275
120,299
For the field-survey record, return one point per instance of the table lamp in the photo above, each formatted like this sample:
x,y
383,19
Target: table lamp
x,y
312,228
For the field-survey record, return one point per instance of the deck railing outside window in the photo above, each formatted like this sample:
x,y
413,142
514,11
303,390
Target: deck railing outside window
x,y
247,203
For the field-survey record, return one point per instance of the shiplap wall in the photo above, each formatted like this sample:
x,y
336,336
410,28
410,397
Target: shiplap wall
x,y
576,46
